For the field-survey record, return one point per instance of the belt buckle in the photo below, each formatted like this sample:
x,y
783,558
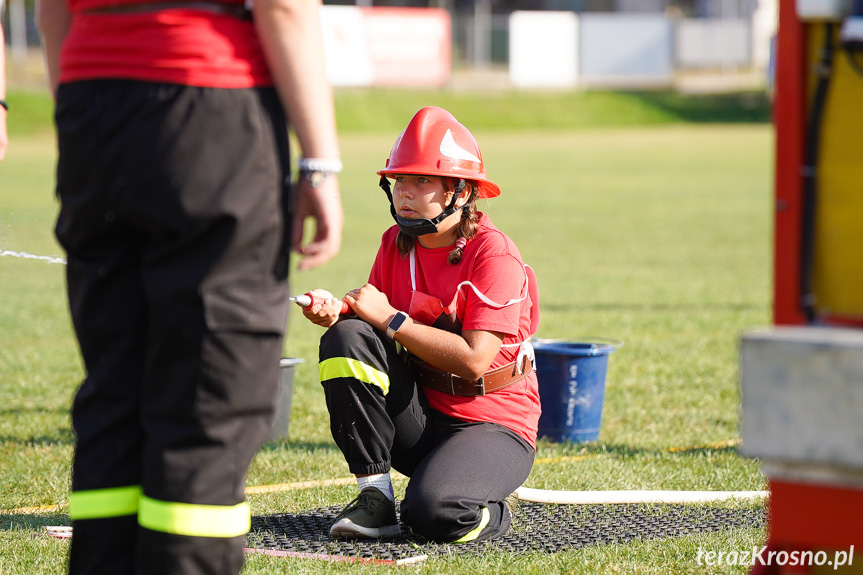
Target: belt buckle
x,y
480,385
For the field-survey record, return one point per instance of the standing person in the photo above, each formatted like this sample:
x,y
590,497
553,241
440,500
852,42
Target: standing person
x,y
4,107
434,376
172,175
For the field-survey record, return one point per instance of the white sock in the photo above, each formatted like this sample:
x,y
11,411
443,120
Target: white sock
x,y
382,481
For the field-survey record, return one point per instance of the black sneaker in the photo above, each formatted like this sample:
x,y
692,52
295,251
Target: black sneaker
x,y
370,516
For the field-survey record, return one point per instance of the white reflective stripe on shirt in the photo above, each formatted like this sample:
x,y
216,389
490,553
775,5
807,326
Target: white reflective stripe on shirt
x,y
479,294
525,347
486,300
413,259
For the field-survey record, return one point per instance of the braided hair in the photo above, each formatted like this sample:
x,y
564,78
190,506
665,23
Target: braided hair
x,y
466,228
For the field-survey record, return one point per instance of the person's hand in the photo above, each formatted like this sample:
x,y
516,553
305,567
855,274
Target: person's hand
x,y
326,309
371,305
324,206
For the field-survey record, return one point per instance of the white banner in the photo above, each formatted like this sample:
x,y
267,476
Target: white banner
x,y
380,46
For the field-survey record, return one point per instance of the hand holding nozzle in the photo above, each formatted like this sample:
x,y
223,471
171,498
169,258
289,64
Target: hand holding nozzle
x,y
307,300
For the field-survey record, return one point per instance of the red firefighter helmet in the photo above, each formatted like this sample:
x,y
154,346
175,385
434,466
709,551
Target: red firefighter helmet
x,y
435,144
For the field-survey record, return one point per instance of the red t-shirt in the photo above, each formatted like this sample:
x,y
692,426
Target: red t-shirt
x,y
178,46
492,264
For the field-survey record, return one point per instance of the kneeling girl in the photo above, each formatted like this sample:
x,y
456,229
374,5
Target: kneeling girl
x,y
433,375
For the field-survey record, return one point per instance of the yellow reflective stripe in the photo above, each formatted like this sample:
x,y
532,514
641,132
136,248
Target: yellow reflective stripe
x,y
195,520
102,503
347,367
486,516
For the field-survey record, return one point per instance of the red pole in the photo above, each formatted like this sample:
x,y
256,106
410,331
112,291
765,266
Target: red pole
x,y
789,120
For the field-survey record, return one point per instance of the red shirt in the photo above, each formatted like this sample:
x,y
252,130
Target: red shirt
x,y
492,263
178,46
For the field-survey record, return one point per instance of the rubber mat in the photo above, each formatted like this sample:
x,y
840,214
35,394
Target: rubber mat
x,y
537,528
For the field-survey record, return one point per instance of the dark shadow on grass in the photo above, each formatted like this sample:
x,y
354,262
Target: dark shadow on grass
x,y
281,444
625,451
751,107
655,308
36,409
67,437
60,437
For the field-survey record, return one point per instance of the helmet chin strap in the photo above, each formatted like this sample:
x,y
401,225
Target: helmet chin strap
x,y
422,226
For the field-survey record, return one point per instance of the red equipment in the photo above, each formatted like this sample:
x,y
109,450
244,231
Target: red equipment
x,y
307,300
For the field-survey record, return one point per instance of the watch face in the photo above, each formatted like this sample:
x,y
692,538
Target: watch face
x,y
396,323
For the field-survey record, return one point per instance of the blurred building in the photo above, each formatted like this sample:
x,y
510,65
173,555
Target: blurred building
x,y
608,43
480,28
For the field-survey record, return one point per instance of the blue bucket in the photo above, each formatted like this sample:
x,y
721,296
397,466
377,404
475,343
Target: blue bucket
x,y
571,379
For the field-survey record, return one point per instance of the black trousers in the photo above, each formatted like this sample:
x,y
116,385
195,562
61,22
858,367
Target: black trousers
x,y
173,219
459,472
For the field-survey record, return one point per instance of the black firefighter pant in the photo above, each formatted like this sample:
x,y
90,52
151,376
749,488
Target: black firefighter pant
x,y
459,472
173,218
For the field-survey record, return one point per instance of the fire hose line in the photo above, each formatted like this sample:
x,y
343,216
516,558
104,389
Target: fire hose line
x,y
632,496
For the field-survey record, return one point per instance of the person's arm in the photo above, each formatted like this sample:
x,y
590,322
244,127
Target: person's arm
x,y
468,355
4,135
290,33
53,19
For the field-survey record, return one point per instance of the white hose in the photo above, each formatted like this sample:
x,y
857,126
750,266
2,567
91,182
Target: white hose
x,y
25,255
609,497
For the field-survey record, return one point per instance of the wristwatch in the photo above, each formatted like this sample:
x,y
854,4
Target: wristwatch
x,y
396,323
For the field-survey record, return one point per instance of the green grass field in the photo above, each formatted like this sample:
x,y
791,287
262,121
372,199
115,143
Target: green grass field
x,y
647,219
